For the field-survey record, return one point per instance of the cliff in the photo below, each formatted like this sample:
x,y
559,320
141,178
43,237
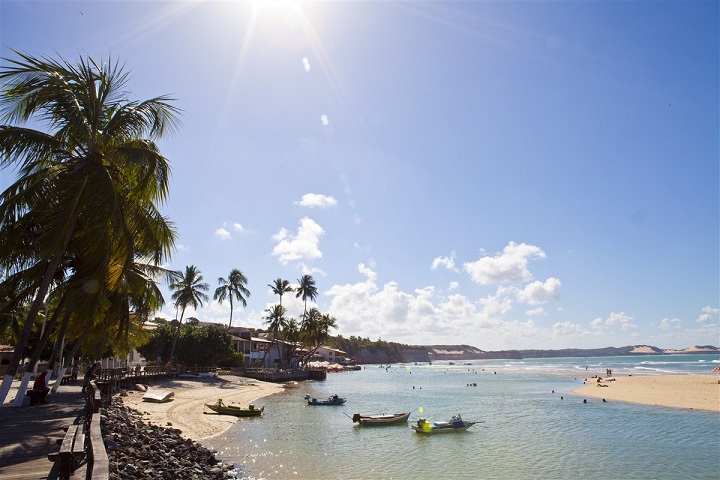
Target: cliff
x,y
431,353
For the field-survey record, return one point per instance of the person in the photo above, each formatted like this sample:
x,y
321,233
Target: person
x,y
74,373
39,390
90,374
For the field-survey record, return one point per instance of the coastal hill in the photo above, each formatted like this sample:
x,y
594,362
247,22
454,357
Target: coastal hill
x,y
389,352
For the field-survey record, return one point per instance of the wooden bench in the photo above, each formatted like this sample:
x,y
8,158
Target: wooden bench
x,y
72,450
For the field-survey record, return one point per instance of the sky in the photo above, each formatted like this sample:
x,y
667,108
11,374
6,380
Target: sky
x,y
506,175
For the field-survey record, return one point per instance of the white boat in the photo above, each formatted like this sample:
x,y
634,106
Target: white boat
x,y
455,424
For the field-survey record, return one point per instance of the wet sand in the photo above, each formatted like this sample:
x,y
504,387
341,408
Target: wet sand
x,y
695,392
187,411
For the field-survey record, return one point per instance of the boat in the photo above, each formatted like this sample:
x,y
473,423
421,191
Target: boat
x,y
455,424
331,400
221,408
157,396
384,419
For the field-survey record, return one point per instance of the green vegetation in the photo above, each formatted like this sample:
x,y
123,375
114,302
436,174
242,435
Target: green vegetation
x,y
205,346
81,236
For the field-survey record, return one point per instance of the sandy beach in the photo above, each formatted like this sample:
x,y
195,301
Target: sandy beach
x,y
696,392
187,411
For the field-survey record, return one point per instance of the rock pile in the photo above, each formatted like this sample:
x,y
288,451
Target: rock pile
x,y
137,450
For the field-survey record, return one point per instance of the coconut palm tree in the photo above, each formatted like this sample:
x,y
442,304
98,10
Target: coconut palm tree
x,y
188,290
306,290
281,287
88,184
276,322
234,286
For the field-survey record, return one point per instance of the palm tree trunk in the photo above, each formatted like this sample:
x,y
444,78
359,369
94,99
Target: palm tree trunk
x,y
37,304
177,334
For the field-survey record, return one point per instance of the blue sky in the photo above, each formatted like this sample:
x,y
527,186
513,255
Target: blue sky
x,y
502,174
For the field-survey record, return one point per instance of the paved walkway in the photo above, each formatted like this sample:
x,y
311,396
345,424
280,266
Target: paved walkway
x,y
29,434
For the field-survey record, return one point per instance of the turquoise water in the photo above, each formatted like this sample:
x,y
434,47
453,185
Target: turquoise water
x,y
528,431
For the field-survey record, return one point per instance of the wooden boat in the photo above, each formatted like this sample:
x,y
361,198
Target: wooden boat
x,y
223,409
455,424
331,400
384,419
158,396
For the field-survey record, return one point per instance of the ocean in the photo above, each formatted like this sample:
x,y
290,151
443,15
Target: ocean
x,y
532,426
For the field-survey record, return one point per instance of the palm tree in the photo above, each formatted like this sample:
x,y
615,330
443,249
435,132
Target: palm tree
x,y
234,286
306,290
89,185
189,290
276,322
280,287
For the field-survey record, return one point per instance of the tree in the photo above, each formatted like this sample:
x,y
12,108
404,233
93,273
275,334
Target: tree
x,y
87,187
306,290
234,286
188,290
276,322
281,287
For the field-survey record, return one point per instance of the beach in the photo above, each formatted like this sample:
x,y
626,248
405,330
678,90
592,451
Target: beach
x,y
187,412
695,392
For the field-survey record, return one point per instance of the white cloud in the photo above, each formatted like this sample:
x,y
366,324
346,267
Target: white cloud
x,y
453,286
707,314
509,266
670,323
622,320
314,200
535,312
304,245
446,262
567,328
538,292
222,234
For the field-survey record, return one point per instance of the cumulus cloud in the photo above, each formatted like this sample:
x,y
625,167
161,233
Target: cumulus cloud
x,y
445,262
621,320
670,323
222,234
316,200
535,311
509,266
536,293
707,314
304,245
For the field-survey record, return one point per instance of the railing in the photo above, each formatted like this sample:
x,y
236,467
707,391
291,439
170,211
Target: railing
x,y
98,464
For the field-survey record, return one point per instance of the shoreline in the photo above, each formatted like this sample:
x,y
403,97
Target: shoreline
x,y
187,411
684,391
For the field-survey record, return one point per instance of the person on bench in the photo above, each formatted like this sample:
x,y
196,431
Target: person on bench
x,y
39,390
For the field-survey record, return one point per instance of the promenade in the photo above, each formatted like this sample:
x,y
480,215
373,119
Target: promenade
x,y
29,434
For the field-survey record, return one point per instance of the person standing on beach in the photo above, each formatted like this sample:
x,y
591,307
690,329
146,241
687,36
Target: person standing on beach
x,y
90,374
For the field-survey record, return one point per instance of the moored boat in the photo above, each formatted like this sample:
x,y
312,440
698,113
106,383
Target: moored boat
x,y
384,419
221,408
455,424
331,400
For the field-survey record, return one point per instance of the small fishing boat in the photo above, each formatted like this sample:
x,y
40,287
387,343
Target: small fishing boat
x,y
221,408
384,419
455,424
331,400
158,396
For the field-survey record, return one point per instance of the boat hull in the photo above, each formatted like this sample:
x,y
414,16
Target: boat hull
x,y
235,411
317,403
379,420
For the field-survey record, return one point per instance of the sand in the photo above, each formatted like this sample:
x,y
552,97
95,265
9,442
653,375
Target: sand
x,y
696,392
186,411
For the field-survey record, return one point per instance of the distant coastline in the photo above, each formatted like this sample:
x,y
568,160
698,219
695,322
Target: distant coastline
x,y
430,353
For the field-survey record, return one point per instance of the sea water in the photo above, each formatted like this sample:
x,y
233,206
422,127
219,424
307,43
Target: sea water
x,y
532,426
